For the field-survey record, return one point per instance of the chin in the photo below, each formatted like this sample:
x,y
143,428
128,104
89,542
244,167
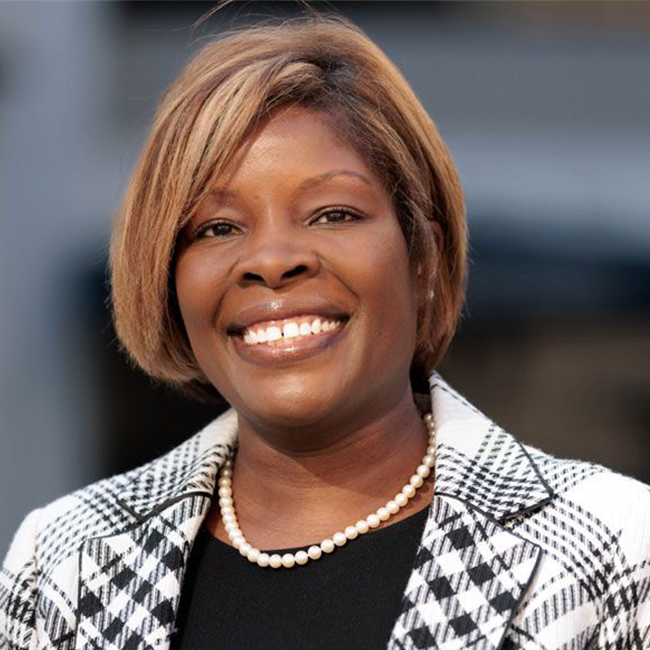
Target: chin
x,y
291,402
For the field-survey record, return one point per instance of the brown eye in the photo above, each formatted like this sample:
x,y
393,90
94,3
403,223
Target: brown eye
x,y
336,216
215,229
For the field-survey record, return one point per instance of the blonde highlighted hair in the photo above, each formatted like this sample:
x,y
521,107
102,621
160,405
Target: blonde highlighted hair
x,y
203,119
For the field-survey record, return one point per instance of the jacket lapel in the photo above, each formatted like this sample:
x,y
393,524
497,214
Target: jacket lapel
x,y
471,573
130,582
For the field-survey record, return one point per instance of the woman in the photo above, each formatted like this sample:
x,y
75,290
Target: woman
x,y
293,241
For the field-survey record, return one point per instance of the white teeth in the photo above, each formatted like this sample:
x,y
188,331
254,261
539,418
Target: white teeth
x,y
273,333
290,330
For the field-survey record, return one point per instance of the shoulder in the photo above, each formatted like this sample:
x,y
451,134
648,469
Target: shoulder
x,y
619,501
111,504
46,541
56,529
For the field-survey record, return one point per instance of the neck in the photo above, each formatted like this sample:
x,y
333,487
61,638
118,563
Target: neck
x,y
288,496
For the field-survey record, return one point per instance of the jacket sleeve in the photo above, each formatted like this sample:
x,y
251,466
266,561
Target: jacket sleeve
x,y
18,588
626,608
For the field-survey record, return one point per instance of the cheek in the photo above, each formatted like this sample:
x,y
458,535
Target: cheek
x,y
198,289
382,278
388,272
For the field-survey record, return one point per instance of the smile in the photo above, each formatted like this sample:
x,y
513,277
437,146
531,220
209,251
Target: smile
x,y
278,342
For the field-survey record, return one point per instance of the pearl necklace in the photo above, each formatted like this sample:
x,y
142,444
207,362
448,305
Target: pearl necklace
x,y
314,552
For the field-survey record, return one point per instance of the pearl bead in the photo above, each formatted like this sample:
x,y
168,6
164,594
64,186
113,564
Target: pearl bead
x,y
252,555
224,482
244,548
327,546
351,532
229,518
225,492
423,471
225,502
237,541
392,507
373,521
288,560
401,500
416,481
429,460
227,510
428,420
383,514
362,526
339,539
431,451
302,557
263,559
408,491
226,472
275,561
314,552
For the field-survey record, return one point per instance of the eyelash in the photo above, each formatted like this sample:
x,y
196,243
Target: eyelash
x,y
200,232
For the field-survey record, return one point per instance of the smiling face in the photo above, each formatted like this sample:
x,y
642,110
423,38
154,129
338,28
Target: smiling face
x,y
294,284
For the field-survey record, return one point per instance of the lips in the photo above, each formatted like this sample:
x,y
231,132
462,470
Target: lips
x,y
283,353
281,331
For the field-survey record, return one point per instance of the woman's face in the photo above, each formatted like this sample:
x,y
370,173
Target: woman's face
x,y
294,283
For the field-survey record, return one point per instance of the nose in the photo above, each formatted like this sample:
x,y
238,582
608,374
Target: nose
x,y
276,260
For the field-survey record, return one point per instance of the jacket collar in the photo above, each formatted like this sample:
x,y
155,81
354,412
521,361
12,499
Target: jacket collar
x,y
480,463
189,469
477,462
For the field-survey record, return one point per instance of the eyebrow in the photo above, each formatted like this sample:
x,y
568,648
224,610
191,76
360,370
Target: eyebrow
x,y
323,178
307,184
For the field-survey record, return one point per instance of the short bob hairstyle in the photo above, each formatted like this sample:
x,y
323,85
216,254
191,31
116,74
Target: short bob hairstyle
x,y
228,89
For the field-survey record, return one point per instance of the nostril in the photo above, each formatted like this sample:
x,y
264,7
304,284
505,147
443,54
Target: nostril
x,y
274,275
301,268
253,277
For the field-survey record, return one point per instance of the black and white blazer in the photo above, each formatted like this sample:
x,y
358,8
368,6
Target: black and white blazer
x,y
520,550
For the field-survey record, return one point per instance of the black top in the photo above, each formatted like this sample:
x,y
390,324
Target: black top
x,y
348,599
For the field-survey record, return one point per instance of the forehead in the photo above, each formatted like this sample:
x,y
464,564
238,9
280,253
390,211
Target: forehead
x,y
300,145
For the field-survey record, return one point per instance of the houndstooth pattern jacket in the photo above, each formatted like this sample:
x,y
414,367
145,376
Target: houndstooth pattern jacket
x,y
520,550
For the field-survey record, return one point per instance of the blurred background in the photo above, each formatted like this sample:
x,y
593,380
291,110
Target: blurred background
x,y
546,108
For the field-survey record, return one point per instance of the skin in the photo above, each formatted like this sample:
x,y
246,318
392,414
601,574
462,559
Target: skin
x,y
324,440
